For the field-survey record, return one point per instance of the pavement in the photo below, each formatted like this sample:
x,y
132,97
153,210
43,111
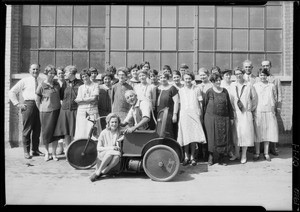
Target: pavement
x,y
259,183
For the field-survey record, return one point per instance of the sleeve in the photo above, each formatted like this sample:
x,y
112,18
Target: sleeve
x,y
146,109
39,90
14,91
253,97
278,90
129,116
96,90
174,90
79,94
101,141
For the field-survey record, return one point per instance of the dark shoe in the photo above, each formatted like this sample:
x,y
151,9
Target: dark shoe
x,y
267,157
210,160
256,157
37,153
94,177
274,153
186,162
27,156
194,163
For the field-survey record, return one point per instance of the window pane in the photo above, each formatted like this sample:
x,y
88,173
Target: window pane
x,y
186,58
152,16
80,59
97,60
98,14
81,15
118,37
186,16
168,40
223,39
63,58
274,40
168,59
238,59
47,37
64,37
206,60
135,16
153,59
117,59
30,37
274,16
256,60
168,16
46,58
47,15
223,16
256,40
256,17
80,36
206,39
97,36
152,39
135,39
206,16
64,15
240,17
30,15
276,60
223,60
118,15
186,39
28,57
134,58
240,40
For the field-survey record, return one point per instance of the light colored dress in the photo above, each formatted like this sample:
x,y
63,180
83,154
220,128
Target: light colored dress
x,y
244,119
146,92
83,126
106,142
266,122
189,126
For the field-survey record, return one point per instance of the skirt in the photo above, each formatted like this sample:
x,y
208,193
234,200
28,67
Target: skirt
x,y
266,127
108,152
245,130
65,123
48,124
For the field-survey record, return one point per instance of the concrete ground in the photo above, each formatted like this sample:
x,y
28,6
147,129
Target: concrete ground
x,y
261,183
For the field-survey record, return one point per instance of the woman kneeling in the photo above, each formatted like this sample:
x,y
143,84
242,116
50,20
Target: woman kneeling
x,y
108,148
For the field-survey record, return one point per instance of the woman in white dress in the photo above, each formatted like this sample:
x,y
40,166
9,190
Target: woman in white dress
x,y
265,118
245,94
87,103
190,131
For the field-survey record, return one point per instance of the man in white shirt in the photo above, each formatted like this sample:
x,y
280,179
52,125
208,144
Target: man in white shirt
x,y
140,112
249,76
30,113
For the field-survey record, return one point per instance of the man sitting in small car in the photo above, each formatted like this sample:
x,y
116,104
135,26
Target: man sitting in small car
x,y
140,112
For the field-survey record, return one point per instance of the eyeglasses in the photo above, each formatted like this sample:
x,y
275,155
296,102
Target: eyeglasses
x,y
238,74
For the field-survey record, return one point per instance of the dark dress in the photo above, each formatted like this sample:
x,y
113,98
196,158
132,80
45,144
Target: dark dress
x,y
217,114
166,100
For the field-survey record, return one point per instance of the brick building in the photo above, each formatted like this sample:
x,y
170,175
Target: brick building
x,y
122,35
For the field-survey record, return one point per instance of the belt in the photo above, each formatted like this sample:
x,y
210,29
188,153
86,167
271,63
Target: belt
x,y
29,101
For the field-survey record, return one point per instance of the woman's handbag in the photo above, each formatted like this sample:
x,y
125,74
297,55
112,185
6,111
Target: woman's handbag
x,y
239,102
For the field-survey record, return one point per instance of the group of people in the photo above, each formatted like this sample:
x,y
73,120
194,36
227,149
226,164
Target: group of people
x,y
211,117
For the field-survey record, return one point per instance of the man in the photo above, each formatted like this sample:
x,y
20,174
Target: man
x,y
277,82
140,112
30,113
183,68
248,76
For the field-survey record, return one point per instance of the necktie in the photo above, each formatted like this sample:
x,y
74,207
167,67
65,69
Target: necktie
x,y
36,84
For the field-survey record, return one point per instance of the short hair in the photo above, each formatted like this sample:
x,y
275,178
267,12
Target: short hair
x,y
34,64
247,61
106,74
143,71
144,63
176,72
167,67
267,61
215,68
111,68
71,68
135,66
153,71
92,70
50,68
189,74
123,69
226,71
238,69
60,68
202,69
85,72
109,117
183,65
213,77
264,71
166,74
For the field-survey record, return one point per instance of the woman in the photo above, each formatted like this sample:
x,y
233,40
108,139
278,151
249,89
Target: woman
x,y
218,118
134,80
119,104
108,148
244,100
168,97
87,103
205,83
66,124
265,118
190,131
48,103
177,79
104,101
